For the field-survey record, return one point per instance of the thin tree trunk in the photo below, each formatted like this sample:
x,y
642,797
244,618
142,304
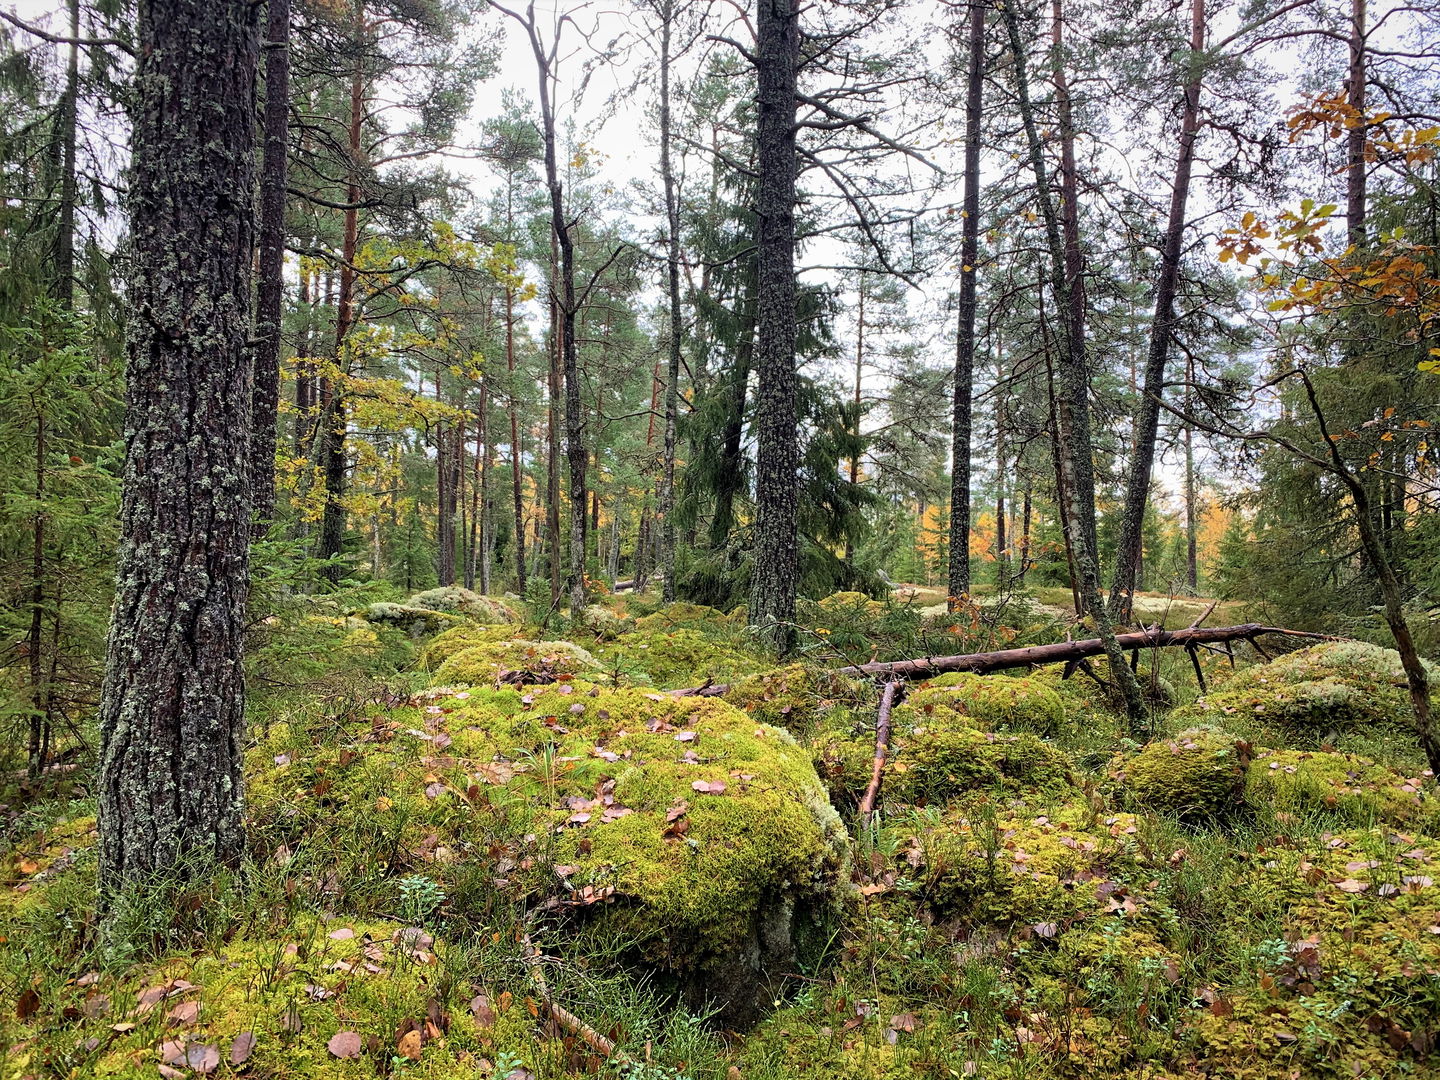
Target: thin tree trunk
x,y
776,565
1076,451
270,290
958,579
1162,329
855,401
1356,137
515,454
35,639
332,523
67,124
672,260
172,711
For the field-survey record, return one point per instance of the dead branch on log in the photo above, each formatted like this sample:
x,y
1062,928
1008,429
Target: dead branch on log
x,y
882,747
1204,615
563,1016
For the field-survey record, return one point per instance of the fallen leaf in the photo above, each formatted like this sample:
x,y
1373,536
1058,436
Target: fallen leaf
x,y
242,1048
708,787
1350,885
185,1014
409,1045
203,1059
344,1044
343,934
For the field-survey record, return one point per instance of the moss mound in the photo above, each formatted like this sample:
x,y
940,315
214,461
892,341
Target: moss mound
x,y
679,614
1338,684
453,598
1198,773
1351,785
516,661
989,703
1028,867
679,826
798,697
418,622
678,658
459,638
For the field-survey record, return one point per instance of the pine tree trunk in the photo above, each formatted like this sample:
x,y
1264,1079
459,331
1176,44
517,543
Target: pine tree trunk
x,y
173,707
672,260
270,289
958,579
515,454
776,563
336,418
1075,452
1162,329
1356,137
855,402
67,124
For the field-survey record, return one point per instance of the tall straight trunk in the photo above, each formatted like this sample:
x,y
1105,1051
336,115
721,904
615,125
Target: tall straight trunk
x,y
856,399
1162,331
332,522
728,484
777,461
35,638
304,375
270,288
563,290
515,454
552,447
448,442
642,538
672,275
958,577
67,125
1025,512
1355,138
1076,453
172,710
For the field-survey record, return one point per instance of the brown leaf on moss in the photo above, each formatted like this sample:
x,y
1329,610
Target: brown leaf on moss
x,y
242,1047
344,1044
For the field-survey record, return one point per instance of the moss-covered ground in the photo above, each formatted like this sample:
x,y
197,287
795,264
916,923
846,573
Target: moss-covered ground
x,y
458,819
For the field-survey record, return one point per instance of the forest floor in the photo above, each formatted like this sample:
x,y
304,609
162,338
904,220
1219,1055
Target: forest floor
x,y
482,847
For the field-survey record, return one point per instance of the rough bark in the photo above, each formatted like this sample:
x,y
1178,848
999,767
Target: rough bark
x,y
1355,138
958,577
67,124
1162,330
776,564
518,494
173,705
270,287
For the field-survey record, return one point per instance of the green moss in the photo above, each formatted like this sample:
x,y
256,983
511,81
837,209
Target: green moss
x,y
798,697
1023,867
677,658
989,703
517,661
416,621
1350,785
458,601
671,616
1336,685
445,645
1197,773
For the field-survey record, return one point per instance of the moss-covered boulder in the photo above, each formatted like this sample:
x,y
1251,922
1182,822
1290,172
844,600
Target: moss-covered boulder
x,y
458,601
459,638
678,833
1355,787
989,703
1339,685
696,616
418,622
677,658
798,696
1197,773
603,622
1049,867
518,662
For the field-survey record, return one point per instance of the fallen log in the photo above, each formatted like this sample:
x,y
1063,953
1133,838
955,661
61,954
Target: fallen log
x,y
1061,652
1069,651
